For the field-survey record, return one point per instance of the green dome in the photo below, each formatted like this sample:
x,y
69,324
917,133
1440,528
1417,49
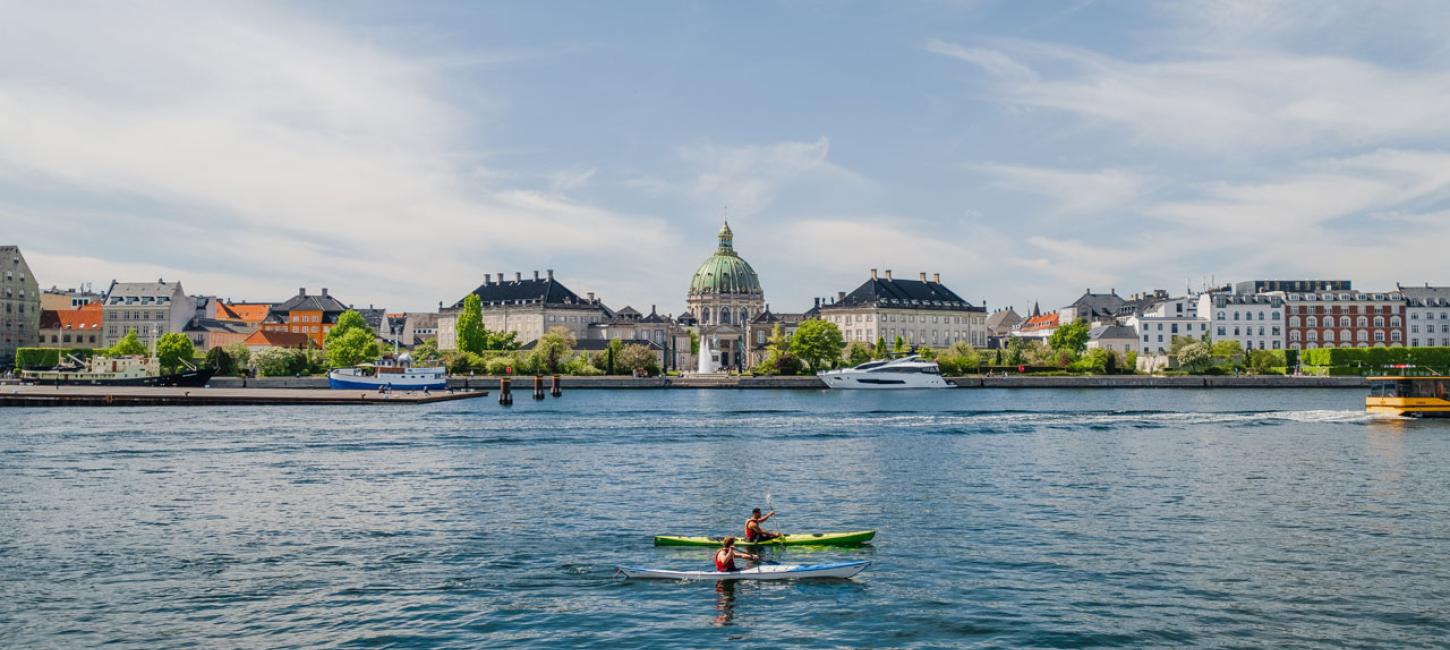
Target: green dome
x,y
725,272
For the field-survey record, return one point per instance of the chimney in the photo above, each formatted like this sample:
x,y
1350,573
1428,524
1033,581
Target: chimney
x,y
888,274
841,296
301,291
873,274
923,276
818,303
550,272
500,278
518,276
936,277
536,274
440,306
591,295
324,292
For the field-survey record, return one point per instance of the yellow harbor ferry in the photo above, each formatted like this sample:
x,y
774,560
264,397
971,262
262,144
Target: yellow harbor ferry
x,y
1409,396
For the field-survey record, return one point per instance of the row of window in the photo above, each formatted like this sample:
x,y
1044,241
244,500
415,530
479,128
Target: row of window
x,y
306,318
136,314
1415,315
1368,309
66,338
897,318
1344,335
1248,315
1248,331
1361,321
1430,329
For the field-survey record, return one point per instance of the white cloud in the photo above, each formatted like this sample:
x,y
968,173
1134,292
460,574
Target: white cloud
x,y
288,147
1071,192
1241,103
747,178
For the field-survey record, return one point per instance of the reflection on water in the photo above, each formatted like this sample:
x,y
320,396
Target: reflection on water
x,y
724,602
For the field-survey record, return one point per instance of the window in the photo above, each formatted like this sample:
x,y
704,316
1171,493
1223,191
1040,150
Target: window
x,y
1361,322
1312,321
1293,321
1379,337
1379,321
1221,331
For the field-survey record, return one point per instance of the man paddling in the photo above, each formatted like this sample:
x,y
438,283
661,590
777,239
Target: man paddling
x,y
753,531
725,557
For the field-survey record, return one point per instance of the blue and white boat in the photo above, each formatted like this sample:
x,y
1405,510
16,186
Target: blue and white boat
x,y
389,374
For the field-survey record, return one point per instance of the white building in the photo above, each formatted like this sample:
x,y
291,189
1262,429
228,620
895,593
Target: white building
x,y
1119,339
1158,323
527,307
150,308
1254,320
922,312
1427,312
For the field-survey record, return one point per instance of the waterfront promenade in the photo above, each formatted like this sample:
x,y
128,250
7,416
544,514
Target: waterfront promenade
x,y
171,396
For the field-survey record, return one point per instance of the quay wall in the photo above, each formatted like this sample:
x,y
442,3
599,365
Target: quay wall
x,y
524,384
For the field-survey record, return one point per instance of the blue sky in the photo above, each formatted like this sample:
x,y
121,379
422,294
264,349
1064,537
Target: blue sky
x,y
1026,151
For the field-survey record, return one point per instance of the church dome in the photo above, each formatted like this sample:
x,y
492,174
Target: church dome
x,y
725,272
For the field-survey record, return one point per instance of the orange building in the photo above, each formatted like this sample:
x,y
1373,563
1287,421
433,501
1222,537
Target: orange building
x,y
72,328
312,315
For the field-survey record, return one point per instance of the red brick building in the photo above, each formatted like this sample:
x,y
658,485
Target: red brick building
x,y
1344,319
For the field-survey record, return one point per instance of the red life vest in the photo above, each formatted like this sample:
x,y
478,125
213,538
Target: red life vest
x,y
724,565
752,534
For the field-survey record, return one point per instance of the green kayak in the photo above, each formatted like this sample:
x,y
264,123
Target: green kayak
x,y
801,539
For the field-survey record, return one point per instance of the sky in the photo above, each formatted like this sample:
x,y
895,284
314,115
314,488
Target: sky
x,y
1026,151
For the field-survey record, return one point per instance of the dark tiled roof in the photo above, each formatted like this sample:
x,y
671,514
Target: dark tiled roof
x,y
903,294
654,317
216,325
769,316
1003,319
326,304
526,291
1099,304
598,345
1112,332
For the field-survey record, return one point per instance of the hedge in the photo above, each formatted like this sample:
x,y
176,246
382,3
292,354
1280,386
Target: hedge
x,y
41,358
1360,360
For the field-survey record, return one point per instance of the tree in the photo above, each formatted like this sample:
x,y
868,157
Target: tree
x,y
611,358
354,346
241,356
472,336
1072,337
636,356
503,340
349,320
220,362
694,342
279,362
817,343
778,359
899,348
172,350
879,352
926,352
552,348
426,351
129,346
1016,350
1227,349
1194,356
1095,362
858,353
959,359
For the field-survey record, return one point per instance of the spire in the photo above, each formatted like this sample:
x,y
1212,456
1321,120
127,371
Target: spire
x,y
727,240
1036,311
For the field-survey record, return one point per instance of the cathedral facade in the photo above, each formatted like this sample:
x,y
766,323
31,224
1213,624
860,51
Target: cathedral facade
x,y
724,296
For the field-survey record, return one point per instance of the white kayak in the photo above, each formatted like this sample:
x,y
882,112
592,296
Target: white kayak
x,y
763,572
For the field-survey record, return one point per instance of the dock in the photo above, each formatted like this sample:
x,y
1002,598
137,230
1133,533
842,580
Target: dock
x,y
167,396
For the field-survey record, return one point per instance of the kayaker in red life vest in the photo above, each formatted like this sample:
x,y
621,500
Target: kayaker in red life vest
x,y
753,531
725,557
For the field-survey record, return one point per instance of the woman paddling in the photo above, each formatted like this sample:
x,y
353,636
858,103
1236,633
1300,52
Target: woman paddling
x,y
725,557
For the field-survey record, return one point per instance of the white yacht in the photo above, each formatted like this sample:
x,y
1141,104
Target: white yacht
x,y
906,372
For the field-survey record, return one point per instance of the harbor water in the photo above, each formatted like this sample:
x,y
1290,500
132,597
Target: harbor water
x,y
1006,518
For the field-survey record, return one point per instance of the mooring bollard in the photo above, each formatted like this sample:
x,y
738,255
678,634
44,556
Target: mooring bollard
x,y
538,387
505,396
555,389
